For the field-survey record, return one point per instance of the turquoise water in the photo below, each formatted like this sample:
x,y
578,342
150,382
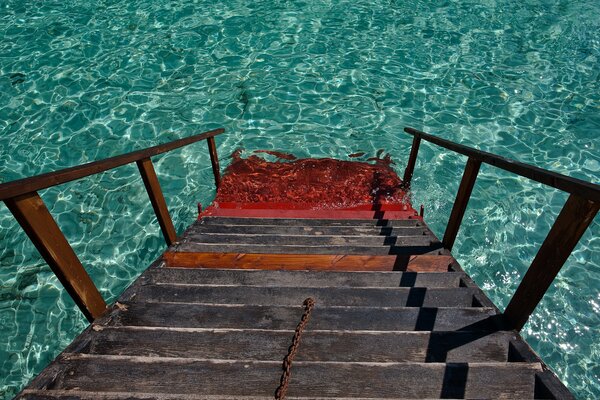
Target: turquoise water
x,y
84,80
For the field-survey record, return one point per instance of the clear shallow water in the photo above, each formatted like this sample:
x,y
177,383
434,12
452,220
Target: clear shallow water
x,y
84,80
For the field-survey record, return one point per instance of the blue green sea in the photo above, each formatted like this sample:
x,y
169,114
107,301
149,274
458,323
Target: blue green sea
x,y
83,80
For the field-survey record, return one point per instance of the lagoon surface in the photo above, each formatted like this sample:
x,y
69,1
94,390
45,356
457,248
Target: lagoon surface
x,y
84,80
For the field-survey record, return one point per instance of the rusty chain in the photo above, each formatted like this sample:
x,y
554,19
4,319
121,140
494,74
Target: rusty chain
x,y
281,391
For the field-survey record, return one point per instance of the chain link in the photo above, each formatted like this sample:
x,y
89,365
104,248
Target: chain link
x,y
293,349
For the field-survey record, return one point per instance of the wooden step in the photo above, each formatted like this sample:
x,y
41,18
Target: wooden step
x,y
419,263
308,240
317,214
308,230
403,247
84,395
291,296
308,206
207,220
182,315
302,278
265,345
245,377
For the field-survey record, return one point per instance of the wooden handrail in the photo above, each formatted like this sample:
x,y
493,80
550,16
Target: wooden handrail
x,y
565,183
31,213
460,204
43,181
577,214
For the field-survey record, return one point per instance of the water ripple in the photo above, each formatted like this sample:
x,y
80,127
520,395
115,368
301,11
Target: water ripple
x,y
84,80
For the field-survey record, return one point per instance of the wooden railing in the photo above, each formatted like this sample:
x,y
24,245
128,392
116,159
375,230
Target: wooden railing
x,y
29,210
575,217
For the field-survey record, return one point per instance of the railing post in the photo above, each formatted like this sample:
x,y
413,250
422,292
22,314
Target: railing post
x,y
157,199
574,218
214,159
412,160
35,219
460,203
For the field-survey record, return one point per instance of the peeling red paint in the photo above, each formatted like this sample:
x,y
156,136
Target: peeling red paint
x,y
311,184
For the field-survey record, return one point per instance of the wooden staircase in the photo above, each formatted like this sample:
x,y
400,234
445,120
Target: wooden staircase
x,y
395,317
213,318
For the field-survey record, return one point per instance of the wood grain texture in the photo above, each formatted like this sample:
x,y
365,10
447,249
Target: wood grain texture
x,y
412,160
307,230
342,346
460,203
278,278
182,315
157,199
418,248
86,395
214,160
216,325
310,241
421,263
290,296
575,217
215,377
32,214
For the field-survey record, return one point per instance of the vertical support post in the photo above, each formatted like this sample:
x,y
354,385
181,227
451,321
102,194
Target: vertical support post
x,y
412,160
576,215
460,203
32,214
157,199
214,159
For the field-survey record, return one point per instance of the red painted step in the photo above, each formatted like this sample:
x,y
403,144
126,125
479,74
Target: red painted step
x,y
310,214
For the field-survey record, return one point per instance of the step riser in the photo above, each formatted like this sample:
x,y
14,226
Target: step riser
x,y
312,262
413,248
316,214
309,379
307,230
303,278
316,346
325,318
290,240
310,222
290,296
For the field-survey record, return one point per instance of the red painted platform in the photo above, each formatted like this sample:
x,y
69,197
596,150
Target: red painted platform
x,y
253,187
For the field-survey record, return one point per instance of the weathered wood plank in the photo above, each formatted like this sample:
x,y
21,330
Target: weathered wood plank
x,y
403,248
412,160
31,213
214,160
76,394
462,200
85,395
260,295
309,222
183,315
188,376
418,263
306,240
157,199
574,218
308,230
211,276
267,345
